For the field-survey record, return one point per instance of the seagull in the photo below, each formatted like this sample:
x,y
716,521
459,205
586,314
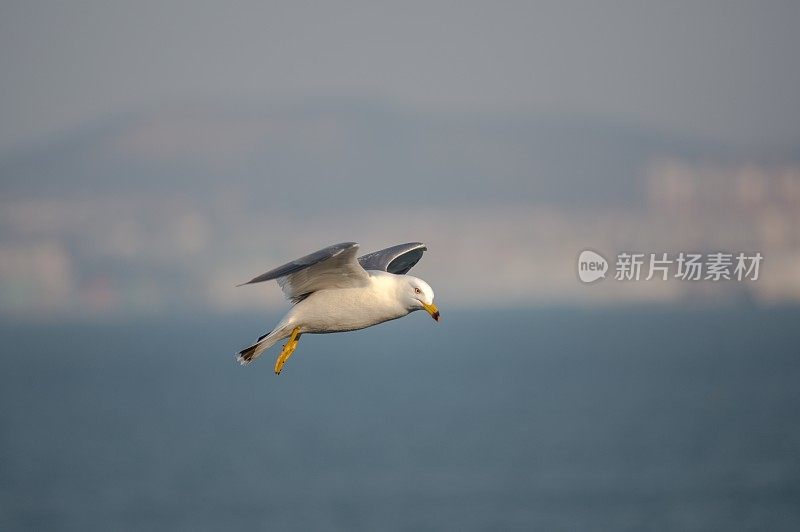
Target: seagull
x,y
333,291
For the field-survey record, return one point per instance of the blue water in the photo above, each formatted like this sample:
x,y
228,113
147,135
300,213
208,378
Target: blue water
x,y
551,419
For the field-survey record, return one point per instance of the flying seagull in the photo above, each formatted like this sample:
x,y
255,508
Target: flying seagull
x,y
333,291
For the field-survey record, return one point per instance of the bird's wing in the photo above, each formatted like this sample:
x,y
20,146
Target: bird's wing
x,y
333,267
396,259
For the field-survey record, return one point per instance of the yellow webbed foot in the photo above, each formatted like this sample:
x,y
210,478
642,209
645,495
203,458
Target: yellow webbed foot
x,y
287,351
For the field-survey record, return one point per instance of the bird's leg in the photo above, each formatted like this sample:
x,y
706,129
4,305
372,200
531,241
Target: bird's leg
x,y
287,351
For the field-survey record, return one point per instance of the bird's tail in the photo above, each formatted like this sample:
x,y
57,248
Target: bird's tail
x,y
264,342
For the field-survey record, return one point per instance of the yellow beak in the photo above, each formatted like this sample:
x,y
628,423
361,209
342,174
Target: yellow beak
x,y
432,310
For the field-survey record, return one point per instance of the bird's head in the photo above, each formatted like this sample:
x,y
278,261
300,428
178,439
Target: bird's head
x,y
418,295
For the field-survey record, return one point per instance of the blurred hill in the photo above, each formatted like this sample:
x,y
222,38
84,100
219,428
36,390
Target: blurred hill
x,y
339,151
167,209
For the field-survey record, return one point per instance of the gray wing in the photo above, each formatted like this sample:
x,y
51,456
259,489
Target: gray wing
x,y
396,259
333,267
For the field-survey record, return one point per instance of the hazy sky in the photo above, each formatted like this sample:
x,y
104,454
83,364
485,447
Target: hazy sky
x,y
722,70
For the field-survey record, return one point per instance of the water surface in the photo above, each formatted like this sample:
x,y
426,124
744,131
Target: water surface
x,y
515,420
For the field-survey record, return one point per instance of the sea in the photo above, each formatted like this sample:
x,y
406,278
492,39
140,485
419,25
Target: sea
x,y
646,418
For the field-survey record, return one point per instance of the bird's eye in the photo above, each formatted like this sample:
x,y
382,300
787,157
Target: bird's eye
x,y
417,291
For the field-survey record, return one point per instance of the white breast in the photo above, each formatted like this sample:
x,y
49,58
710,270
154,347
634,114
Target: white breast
x,y
348,309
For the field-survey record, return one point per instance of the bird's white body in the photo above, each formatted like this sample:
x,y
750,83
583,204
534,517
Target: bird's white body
x,y
348,309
